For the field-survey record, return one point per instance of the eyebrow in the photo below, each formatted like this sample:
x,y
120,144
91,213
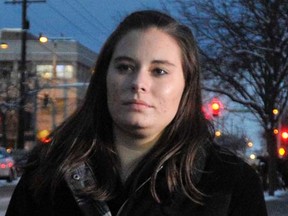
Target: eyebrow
x,y
127,58
123,58
165,62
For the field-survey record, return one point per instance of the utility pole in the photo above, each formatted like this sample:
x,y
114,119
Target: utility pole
x,y
21,118
23,71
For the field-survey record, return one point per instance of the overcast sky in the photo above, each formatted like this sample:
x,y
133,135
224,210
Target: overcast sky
x,y
88,21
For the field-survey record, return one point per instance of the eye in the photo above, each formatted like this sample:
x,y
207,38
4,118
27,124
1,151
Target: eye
x,y
125,67
159,72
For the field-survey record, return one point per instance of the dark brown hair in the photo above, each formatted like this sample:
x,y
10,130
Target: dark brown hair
x,y
87,134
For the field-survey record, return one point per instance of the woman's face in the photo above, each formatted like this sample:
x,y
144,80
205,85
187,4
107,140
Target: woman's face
x,y
145,82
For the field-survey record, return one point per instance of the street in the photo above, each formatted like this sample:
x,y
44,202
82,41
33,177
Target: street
x,y
276,206
6,190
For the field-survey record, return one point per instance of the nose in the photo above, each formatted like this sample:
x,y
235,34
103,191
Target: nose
x,y
140,82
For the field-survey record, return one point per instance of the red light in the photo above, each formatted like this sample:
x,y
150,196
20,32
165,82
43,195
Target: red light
x,y
46,140
212,109
284,135
2,166
43,136
10,164
215,106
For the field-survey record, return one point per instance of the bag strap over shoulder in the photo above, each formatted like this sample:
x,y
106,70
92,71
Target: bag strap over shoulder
x,y
78,179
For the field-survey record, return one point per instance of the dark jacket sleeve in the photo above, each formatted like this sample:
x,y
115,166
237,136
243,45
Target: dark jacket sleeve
x,y
247,197
232,186
25,201
22,202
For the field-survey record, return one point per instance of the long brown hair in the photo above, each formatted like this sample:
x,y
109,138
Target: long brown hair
x,y
88,133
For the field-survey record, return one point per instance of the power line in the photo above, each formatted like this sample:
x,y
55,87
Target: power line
x,y
21,1
78,28
86,12
46,23
95,18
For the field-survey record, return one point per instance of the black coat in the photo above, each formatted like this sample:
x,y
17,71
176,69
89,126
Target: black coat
x,y
230,186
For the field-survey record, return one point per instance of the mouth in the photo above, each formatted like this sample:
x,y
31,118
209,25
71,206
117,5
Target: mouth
x,y
137,103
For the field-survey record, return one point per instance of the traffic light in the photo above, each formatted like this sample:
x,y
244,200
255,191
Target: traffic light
x,y
45,100
283,144
282,152
212,109
284,135
216,107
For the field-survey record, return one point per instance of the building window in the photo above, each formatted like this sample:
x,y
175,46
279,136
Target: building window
x,y
62,71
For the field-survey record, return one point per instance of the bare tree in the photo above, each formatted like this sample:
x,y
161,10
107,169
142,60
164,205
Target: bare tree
x,y
244,47
235,143
8,103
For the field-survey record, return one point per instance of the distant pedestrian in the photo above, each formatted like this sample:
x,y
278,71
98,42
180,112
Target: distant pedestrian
x,y
140,144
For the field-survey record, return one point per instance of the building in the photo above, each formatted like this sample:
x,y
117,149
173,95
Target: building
x,y
56,77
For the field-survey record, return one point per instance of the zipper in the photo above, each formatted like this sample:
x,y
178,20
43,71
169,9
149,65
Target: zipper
x,y
141,186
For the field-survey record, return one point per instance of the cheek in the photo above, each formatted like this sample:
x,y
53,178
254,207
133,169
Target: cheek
x,y
111,92
114,84
169,101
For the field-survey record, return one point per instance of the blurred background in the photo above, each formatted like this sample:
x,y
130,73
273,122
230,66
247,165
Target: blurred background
x,y
48,50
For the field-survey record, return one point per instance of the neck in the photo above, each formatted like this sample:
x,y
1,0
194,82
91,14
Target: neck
x,y
131,150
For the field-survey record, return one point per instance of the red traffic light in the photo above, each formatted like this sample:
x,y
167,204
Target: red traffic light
x,y
284,135
216,106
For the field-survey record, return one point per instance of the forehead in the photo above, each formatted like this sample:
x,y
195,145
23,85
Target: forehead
x,y
152,41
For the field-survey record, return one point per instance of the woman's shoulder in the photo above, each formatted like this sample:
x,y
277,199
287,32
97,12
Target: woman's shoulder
x,y
225,158
228,175
227,166
230,183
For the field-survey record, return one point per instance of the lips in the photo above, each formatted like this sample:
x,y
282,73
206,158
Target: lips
x,y
137,103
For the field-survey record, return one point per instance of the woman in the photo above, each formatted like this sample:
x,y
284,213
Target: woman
x,y
139,145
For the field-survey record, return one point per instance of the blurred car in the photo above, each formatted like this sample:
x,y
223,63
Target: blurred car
x,y
7,166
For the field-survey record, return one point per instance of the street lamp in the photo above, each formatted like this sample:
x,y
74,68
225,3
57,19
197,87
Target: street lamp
x,y
43,38
4,46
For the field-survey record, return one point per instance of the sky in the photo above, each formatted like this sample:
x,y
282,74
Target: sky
x,y
90,22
